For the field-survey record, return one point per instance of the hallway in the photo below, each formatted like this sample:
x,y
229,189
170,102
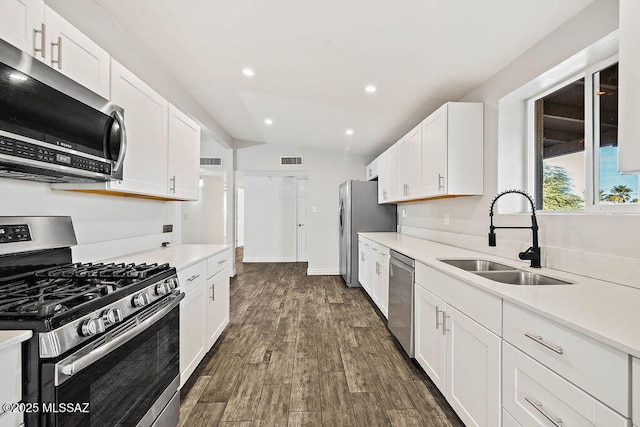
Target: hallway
x,y
306,351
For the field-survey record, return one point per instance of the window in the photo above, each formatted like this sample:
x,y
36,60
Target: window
x,y
574,138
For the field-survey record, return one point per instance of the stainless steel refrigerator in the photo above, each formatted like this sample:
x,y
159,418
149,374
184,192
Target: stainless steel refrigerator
x,y
360,212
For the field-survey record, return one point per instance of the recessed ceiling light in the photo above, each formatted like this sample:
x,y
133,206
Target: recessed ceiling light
x,y
247,72
349,132
370,89
268,122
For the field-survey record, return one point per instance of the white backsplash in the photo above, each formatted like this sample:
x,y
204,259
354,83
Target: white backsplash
x,y
616,269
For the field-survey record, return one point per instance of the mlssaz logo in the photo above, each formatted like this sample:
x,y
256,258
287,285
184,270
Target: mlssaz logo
x,y
64,144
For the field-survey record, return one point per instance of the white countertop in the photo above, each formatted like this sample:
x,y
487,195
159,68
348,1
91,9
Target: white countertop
x,y
10,338
605,311
179,256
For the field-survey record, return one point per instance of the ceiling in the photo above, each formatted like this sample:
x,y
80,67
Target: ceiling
x,y
313,59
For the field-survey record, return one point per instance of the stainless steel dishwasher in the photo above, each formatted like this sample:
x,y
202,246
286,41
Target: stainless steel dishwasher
x,y
401,274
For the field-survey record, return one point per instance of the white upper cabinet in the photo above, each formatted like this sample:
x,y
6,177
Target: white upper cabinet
x,y
392,180
434,152
383,178
372,170
442,156
183,156
453,150
629,91
145,118
36,29
22,25
76,55
410,164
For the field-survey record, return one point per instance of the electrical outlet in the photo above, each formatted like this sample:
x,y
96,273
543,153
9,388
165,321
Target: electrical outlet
x,y
185,215
167,228
314,209
404,213
446,218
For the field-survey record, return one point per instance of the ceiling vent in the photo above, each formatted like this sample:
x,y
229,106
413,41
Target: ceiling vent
x,y
291,161
210,161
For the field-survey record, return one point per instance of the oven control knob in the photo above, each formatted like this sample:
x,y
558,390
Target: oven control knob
x,y
163,288
111,316
140,300
173,283
68,369
91,327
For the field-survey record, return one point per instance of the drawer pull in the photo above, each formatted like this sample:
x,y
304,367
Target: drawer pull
x,y
192,278
222,261
539,340
557,422
444,323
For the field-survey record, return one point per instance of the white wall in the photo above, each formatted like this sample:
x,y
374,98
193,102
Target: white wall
x,y
105,226
270,219
203,221
240,217
326,170
603,246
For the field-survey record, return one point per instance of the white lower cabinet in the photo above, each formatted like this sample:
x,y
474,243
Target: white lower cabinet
x,y
217,311
536,396
429,335
635,393
204,311
11,389
192,324
461,356
373,272
508,420
472,370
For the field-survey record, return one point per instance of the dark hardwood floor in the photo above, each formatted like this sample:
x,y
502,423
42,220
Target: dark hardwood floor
x,y
307,351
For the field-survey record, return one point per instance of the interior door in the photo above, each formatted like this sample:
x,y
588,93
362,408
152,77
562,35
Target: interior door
x,y
302,190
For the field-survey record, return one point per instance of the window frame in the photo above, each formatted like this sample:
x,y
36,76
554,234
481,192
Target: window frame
x,y
591,160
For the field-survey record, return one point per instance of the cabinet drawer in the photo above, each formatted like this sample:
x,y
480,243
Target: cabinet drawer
x,y
482,307
192,276
11,362
218,262
534,395
600,370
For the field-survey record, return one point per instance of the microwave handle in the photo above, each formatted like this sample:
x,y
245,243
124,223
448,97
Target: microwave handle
x,y
123,141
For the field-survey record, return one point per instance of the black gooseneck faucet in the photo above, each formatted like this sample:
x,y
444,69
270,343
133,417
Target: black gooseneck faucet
x,y
533,253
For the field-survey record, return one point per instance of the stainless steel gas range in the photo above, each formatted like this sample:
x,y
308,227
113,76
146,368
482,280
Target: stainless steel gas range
x,y
105,345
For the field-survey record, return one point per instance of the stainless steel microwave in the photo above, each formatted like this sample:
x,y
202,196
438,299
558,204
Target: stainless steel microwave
x,y
53,129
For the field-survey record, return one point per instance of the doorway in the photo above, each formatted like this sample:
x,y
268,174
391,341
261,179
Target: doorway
x,y
302,238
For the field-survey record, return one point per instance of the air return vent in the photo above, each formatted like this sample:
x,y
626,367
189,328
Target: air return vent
x,y
210,161
291,161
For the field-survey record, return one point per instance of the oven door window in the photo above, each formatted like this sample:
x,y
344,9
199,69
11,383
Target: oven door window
x,y
122,386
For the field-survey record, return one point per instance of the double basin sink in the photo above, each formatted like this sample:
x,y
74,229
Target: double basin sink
x,y
503,273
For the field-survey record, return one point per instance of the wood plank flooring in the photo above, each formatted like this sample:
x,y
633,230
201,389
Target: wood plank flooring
x,y
307,351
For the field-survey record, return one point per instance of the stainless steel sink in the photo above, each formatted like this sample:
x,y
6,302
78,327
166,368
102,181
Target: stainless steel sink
x,y
519,277
476,265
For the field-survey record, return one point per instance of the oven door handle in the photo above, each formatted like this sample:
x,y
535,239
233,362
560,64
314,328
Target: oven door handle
x,y
75,363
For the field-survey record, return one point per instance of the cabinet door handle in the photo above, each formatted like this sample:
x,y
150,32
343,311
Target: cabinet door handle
x,y
444,323
173,184
557,422
222,261
541,341
59,60
438,311
43,40
192,278
213,292
440,182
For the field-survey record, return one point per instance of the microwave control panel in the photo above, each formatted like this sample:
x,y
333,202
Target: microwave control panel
x,y
27,150
14,233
